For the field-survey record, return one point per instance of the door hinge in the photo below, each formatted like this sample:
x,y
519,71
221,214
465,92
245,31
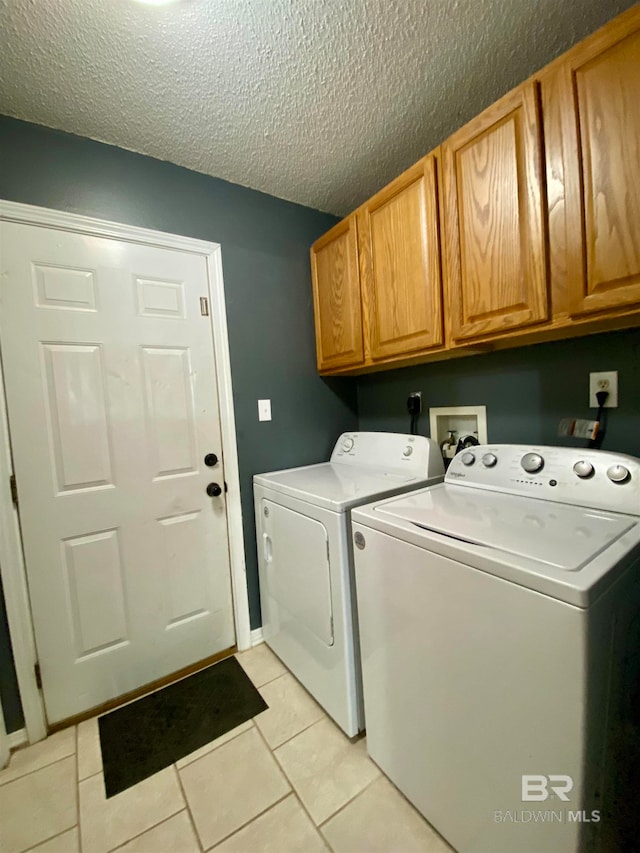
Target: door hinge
x,y
204,306
14,490
38,675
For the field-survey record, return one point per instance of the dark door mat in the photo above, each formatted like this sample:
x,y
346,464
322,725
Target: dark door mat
x,y
153,732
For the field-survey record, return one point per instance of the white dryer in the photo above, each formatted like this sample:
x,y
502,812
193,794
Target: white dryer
x,y
305,558
499,622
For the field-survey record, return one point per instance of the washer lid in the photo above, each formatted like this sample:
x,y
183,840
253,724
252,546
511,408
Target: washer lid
x,y
334,486
558,535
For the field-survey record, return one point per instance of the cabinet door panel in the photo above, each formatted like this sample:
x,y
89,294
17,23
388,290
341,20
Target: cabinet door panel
x,y
401,264
601,144
495,235
336,296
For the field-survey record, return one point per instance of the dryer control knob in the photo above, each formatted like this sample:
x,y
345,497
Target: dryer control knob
x,y
532,463
468,458
347,444
489,460
407,451
618,474
583,469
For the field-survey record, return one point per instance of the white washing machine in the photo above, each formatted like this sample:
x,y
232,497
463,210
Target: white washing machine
x,y
305,559
499,619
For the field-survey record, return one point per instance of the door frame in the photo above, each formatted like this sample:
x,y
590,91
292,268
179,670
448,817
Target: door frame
x,y
12,568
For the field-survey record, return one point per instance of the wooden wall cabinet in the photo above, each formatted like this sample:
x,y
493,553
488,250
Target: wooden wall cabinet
x,y
593,129
335,278
527,255
400,265
496,272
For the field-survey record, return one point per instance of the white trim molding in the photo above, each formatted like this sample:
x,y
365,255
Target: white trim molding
x,y
5,748
11,563
17,739
256,637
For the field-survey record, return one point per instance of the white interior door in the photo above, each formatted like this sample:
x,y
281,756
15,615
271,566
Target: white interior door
x,y
112,401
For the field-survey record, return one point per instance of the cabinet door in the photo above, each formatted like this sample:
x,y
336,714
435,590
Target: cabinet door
x,y
336,297
400,261
496,272
599,87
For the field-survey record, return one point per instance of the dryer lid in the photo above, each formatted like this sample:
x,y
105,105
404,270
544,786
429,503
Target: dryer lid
x,y
562,536
334,486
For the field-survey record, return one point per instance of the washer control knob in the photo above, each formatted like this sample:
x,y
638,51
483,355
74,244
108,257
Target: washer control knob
x,y
618,474
583,469
489,460
532,463
407,451
347,444
468,459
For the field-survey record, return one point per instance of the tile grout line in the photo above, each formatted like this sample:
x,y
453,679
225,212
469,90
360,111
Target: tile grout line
x,y
188,807
342,807
97,773
148,829
37,770
213,748
349,801
289,739
270,681
246,823
155,826
50,838
293,790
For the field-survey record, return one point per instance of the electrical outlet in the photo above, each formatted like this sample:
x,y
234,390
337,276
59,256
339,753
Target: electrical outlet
x,y
604,381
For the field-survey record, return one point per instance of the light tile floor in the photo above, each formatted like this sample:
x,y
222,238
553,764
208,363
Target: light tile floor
x,y
287,782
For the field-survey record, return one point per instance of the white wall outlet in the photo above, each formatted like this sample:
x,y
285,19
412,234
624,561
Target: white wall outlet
x,y
264,410
604,381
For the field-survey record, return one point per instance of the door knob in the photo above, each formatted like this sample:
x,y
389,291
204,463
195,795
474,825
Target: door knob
x,y
213,490
211,459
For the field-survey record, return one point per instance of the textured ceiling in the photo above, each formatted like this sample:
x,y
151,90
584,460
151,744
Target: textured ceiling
x,y
317,101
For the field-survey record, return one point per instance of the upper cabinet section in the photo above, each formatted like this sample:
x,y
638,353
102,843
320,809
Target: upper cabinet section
x,y
523,227
400,264
495,220
336,297
597,87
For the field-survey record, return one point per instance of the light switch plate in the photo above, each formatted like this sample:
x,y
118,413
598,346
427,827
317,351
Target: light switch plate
x,y
264,410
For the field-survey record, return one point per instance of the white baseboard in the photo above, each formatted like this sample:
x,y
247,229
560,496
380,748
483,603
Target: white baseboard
x,y
256,637
17,739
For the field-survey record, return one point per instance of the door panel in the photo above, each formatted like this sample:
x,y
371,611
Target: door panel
x,y
185,567
170,410
96,591
296,555
112,403
599,87
495,231
336,296
79,434
401,264
68,288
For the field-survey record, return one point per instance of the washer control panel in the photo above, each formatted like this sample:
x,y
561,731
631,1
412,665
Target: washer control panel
x,y
390,452
592,478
